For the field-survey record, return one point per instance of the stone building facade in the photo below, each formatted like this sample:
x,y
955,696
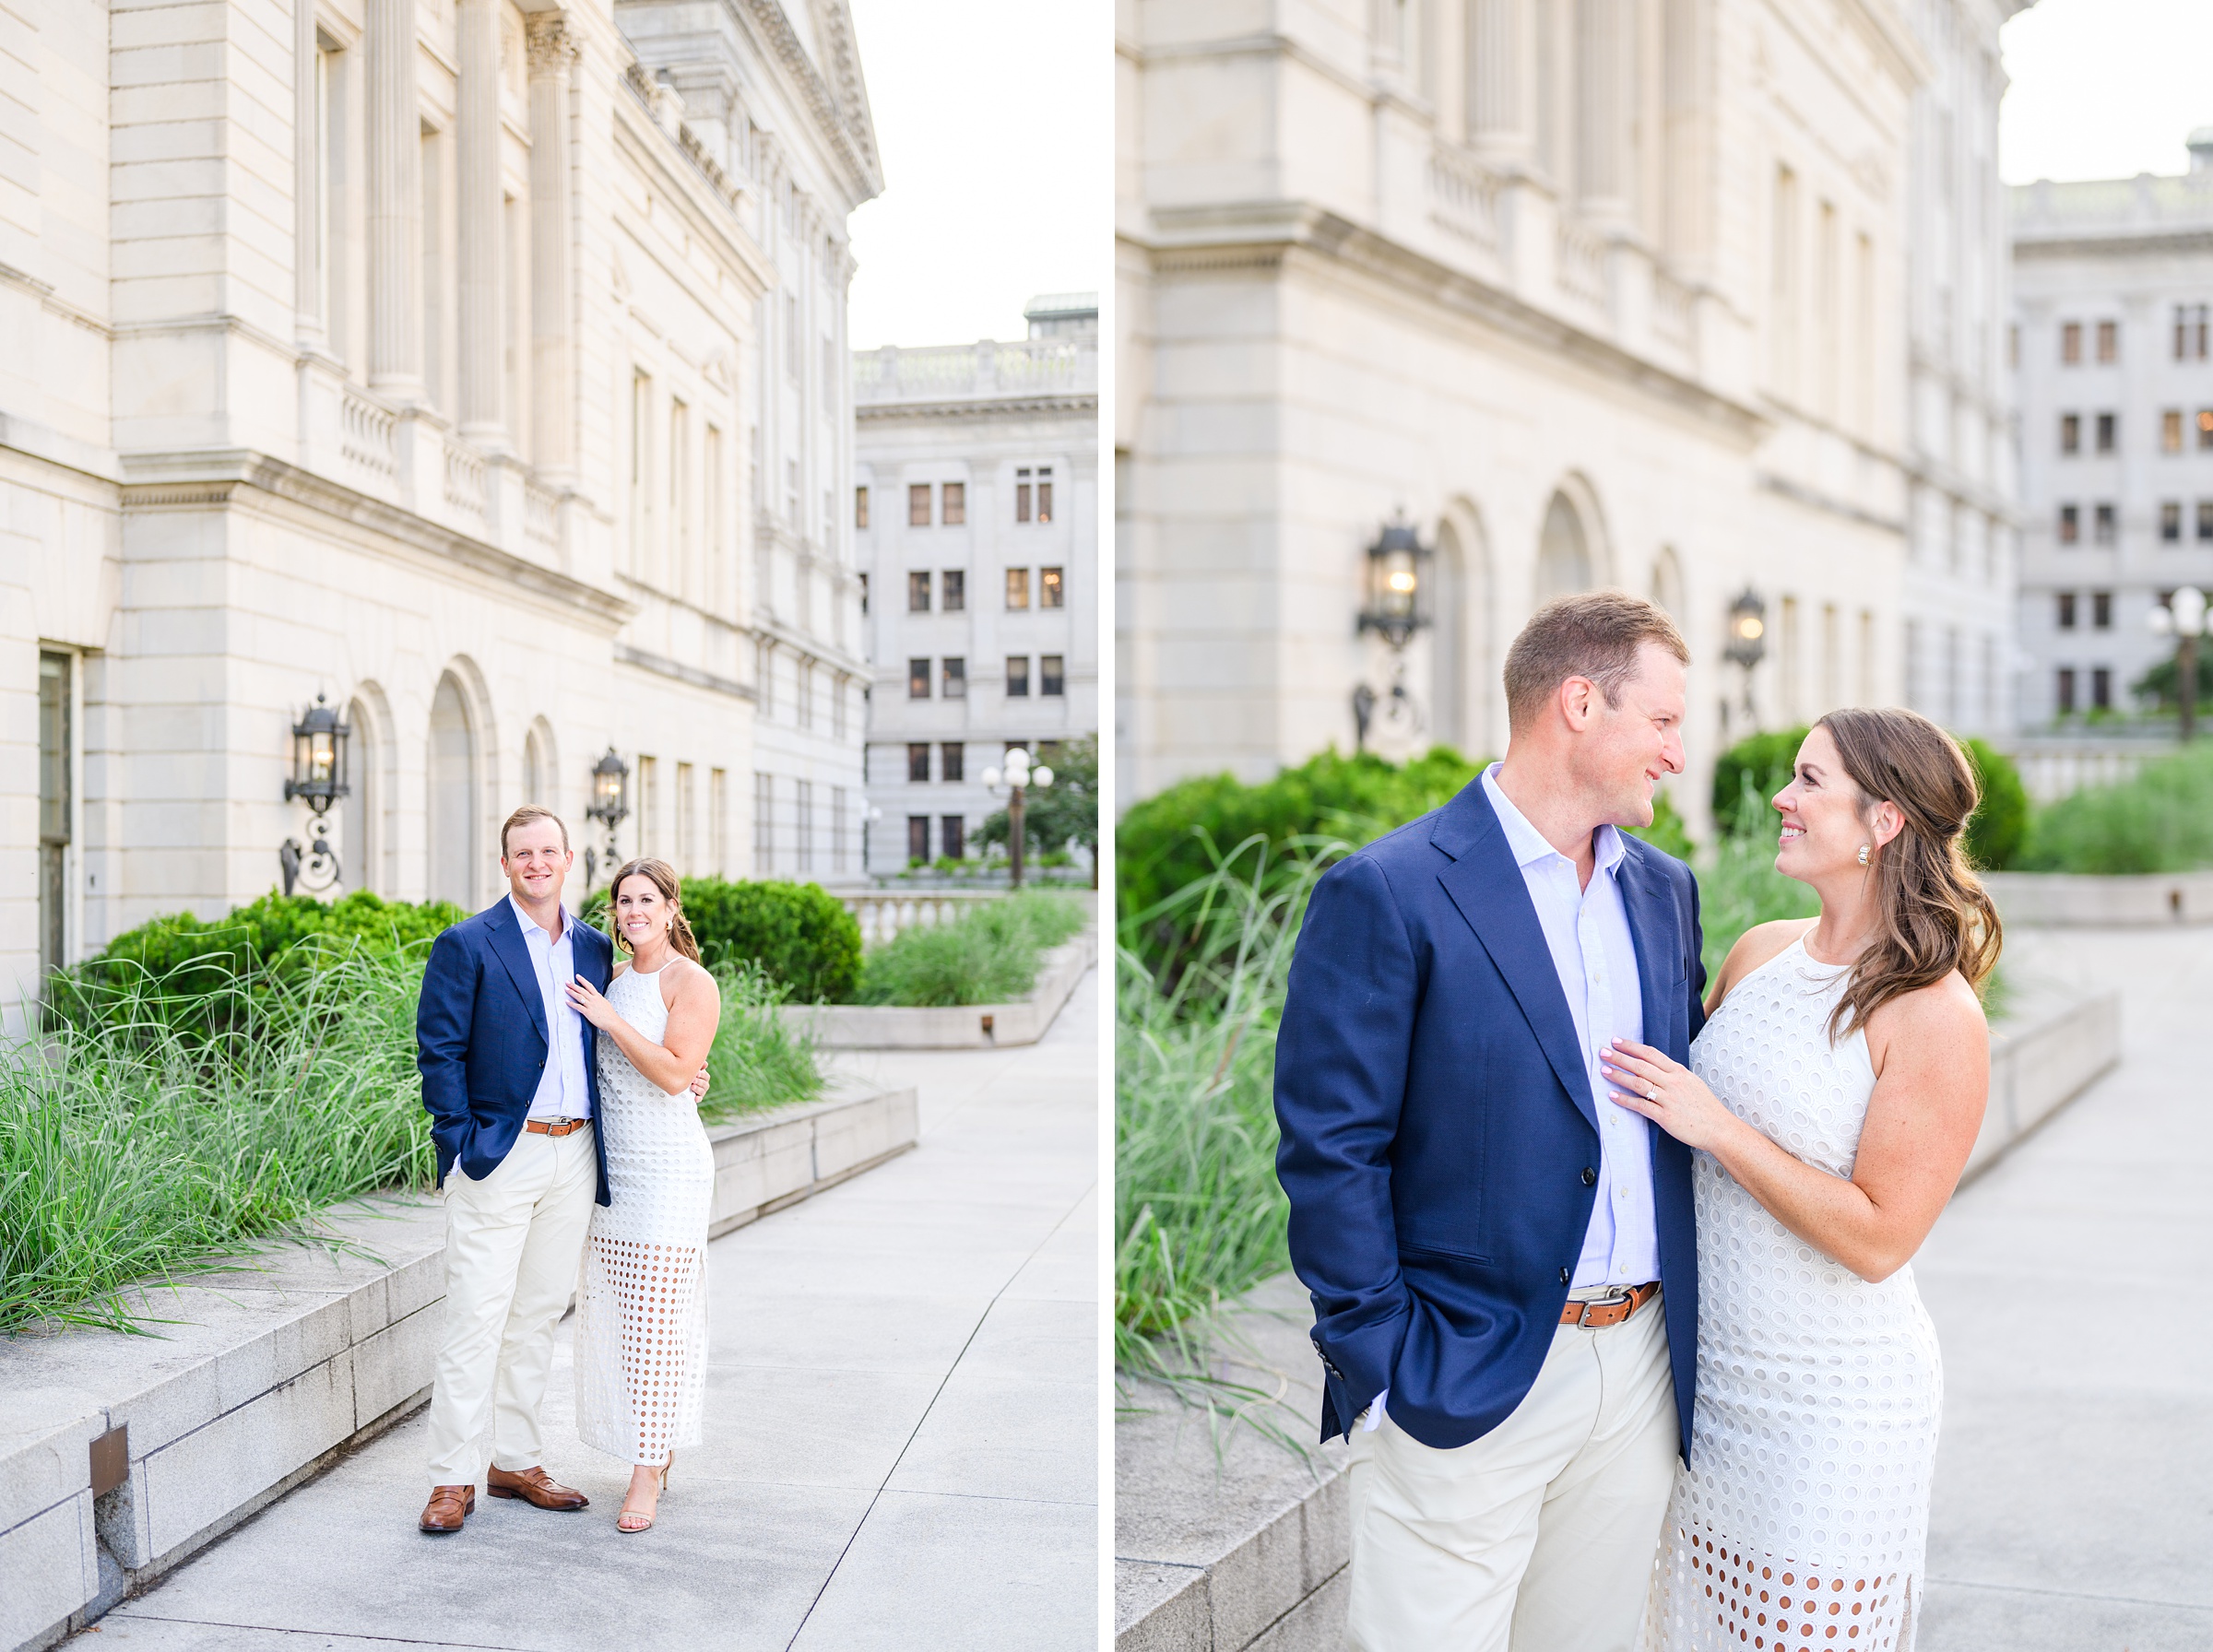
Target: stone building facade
x,y
2113,352
975,502
1602,293
406,354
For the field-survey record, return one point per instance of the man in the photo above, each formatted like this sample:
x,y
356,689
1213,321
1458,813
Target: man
x,y
1484,1234
510,1077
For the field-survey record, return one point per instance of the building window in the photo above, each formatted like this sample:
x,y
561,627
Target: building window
x,y
918,840
2106,422
2070,524
2107,531
687,821
1051,588
764,823
837,829
1018,677
2205,427
2067,610
2102,610
2070,432
2102,688
956,504
953,837
1033,495
918,504
2170,521
860,507
56,810
955,589
864,597
2064,690
2170,431
2109,341
802,814
918,592
954,679
918,679
2190,331
951,764
2205,521
1018,588
2070,344
918,762
649,807
718,821
1051,677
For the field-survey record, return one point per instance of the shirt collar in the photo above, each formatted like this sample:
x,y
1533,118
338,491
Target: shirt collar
x,y
532,929
1530,845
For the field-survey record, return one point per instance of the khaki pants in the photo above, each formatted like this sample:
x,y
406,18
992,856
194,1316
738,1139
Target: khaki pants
x,y
1540,1535
511,1244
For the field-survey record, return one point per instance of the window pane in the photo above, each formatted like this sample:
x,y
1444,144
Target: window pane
x,y
918,504
1018,676
2070,432
2070,343
918,592
917,837
956,590
2069,525
2106,532
2205,519
918,679
918,762
1022,499
951,764
860,507
956,504
2105,433
2170,520
2067,610
2066,687
953,837
2109,343
2102,610
2102,688
1048,588
1049,675
1044,497
2205,427
2170,432
1018,588
955,675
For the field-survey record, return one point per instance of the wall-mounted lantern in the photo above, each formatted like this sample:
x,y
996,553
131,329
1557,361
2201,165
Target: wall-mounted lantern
x,y
611,804
1747,647
318,776
1398,584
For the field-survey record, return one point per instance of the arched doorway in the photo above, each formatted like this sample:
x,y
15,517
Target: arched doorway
x,y
357,810
1449,642
1667,583
539,771
453,797
1563,552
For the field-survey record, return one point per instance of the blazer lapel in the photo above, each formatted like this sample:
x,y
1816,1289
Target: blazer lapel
x,y
1659,947
1485,885
514,951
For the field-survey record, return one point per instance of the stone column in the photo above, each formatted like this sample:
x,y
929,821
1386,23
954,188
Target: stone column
x,y
478,219
552,392
1605,92
395,203
1501,76
308,135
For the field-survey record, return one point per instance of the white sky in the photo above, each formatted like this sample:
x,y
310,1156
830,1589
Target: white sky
x,y
2104,88
994,121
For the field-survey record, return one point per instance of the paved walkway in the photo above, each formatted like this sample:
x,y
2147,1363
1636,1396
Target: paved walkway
x,y
2074,1498
902,1434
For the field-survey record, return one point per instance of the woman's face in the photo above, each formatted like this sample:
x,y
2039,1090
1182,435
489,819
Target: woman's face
x,y
641,911
1822,824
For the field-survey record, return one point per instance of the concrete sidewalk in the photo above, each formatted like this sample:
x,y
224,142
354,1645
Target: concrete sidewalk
x,y
2074,1497
902,1434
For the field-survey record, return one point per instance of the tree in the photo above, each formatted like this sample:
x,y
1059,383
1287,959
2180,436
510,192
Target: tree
x,y
1064,812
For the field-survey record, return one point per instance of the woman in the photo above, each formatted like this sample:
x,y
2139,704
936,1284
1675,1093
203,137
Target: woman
x,y
1833,1097
642,1308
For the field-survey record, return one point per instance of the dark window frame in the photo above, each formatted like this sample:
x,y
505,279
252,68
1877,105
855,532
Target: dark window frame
x,y
1018,677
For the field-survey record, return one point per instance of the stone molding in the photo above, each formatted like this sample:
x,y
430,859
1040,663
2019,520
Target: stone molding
x,y
662,665
976,407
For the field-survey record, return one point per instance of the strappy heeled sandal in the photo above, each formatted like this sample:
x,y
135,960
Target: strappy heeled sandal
x,y
632,1514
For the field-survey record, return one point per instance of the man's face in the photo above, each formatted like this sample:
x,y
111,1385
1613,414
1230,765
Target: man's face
x,y
537,862
1626,747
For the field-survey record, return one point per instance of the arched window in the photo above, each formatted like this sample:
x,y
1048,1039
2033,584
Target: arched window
x,y
542,774
1563,554
358,810
453,798
1667,583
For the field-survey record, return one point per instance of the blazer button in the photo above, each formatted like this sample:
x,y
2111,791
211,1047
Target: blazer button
x,y
1590,1175
1563,1276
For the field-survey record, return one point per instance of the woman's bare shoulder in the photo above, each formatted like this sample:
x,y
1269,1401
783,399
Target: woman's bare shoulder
x,y
1937,1016
1760,944
683,978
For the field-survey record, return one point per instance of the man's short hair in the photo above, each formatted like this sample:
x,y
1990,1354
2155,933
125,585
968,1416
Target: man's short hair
x,y
523,817
1594,634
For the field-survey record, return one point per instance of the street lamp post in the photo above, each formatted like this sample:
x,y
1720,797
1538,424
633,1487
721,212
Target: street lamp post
x,y
2184,618
1018,777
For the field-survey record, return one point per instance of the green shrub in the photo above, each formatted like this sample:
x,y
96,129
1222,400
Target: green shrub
x,y
2159,822
988,955
799,933
759,1060
1667,832
2158,685
1763,761
1995,833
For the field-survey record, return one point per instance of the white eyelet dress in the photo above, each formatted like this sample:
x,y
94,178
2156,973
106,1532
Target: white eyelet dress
x,y
642,1299
1802,1521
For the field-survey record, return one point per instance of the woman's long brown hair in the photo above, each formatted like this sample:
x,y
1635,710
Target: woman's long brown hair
x,y
663,878
1935,915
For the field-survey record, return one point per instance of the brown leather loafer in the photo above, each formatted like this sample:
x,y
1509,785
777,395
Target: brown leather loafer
x,y
449,1506
535,1486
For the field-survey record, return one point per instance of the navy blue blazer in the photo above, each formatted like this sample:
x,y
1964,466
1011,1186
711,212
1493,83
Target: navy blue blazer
x,y
1437,1126
481,1040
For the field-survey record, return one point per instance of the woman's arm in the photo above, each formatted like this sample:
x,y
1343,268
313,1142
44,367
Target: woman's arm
x,y
1930,1051
695,1009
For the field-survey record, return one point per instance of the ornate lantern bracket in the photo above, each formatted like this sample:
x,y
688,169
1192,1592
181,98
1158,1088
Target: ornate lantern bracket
x,y
1398,584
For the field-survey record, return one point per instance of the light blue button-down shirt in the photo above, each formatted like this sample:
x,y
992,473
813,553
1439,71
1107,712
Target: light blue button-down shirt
x,y
562,1090
1587,930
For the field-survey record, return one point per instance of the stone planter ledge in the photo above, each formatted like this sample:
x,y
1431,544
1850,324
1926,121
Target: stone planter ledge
x,y
266,1375
2078,900
960,1027
1245,1551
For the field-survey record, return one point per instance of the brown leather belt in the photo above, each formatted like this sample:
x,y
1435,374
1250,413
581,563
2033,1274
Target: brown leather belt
x,y
554,1127
1597,1315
